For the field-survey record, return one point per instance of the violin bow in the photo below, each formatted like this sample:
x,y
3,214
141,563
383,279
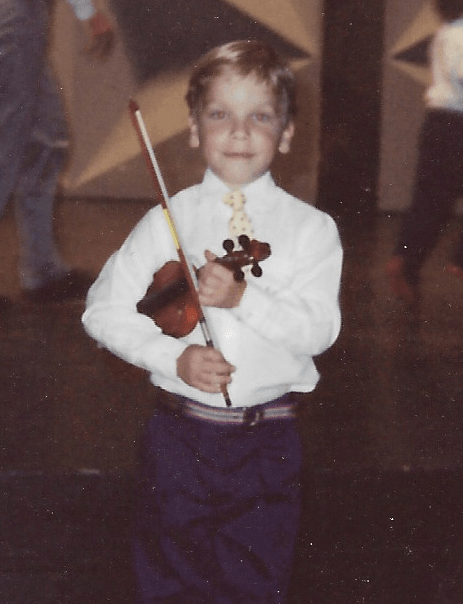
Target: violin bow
x,y
161,190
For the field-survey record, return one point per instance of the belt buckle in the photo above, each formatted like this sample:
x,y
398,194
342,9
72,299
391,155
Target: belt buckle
x,y
252,416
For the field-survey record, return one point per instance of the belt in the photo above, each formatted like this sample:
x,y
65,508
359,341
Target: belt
x,y
247,416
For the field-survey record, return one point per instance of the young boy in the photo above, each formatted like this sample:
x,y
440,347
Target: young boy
x,y
218,506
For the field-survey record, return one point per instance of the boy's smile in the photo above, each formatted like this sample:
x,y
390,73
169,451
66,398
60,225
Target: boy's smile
x,y
239,128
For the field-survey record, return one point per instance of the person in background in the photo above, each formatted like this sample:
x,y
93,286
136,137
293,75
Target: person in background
x,y
218,503
33,140
439,172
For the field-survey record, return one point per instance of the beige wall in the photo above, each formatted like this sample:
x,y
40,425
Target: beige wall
x,y
406,24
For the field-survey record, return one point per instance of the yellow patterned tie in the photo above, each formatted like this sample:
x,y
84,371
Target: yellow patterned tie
x,y
239,223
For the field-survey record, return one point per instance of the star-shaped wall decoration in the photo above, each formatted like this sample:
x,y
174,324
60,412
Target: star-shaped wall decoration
x,y
417,54
410,51
409,29
164,36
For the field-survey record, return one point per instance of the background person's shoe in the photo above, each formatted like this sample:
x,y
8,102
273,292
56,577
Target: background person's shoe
x,y
400,287
72,286
455,270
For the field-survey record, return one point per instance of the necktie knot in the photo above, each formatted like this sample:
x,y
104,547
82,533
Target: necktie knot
x,y
235,199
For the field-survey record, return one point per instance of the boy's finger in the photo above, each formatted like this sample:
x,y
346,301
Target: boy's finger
x,y
210,257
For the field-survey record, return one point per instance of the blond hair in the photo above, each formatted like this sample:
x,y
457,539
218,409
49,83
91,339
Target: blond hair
x,y
245,57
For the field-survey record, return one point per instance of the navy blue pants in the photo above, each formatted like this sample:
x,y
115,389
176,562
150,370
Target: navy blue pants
x,y
438,183
217,511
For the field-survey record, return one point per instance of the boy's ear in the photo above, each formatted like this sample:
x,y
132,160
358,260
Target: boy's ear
x,y
194,134
286,138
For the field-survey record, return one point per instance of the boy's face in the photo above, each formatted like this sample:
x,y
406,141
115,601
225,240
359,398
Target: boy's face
x,y
238,128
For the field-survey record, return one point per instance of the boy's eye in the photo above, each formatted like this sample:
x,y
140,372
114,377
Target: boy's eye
x,y
217,114
263,118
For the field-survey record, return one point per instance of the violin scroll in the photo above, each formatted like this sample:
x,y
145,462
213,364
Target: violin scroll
x,y
253,252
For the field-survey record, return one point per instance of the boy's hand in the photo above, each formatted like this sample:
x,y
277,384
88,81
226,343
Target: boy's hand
x,y
217,286
204,368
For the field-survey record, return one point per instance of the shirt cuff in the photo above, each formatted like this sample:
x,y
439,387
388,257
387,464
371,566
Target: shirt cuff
x,y
83,9
164,359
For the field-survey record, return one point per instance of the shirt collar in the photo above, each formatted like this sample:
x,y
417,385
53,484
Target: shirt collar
x,y
255,191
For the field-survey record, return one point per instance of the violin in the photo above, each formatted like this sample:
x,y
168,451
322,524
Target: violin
x,y
169,301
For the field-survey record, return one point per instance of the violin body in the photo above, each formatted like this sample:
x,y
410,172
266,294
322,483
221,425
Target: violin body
x,y
169,300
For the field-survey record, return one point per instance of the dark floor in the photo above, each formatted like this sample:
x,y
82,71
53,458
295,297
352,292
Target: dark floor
x,y
383,436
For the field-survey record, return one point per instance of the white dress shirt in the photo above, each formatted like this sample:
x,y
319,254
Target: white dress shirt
x,y
288,315
446,91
